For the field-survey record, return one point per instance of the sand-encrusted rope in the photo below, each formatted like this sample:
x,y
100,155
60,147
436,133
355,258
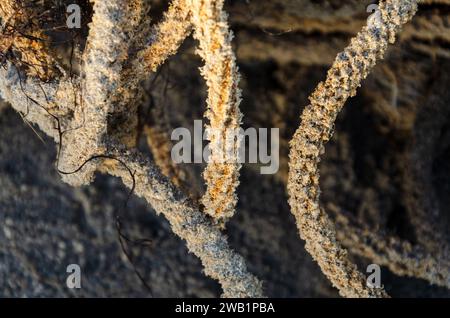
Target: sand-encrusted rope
x,y
167,36
221,74
345,75
103,60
